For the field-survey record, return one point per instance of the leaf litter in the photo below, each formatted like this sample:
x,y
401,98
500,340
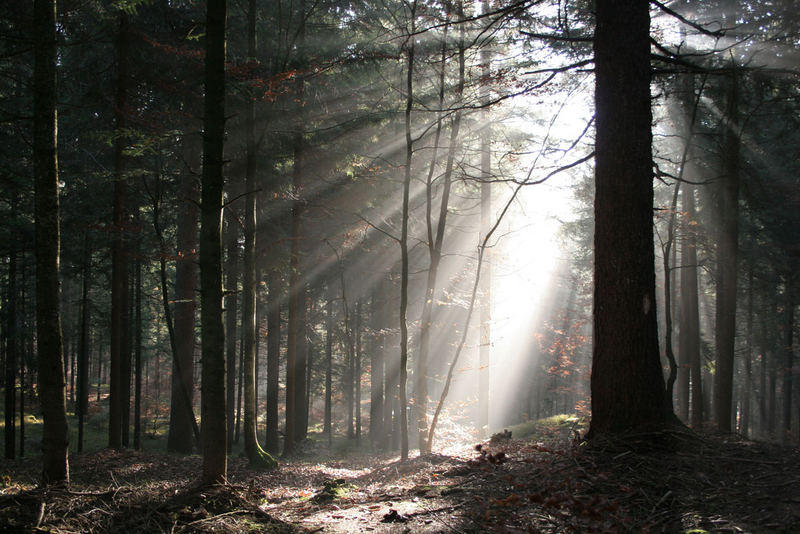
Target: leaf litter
x,y
673,481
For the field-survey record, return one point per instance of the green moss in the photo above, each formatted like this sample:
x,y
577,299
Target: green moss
x,y
261,459
332,490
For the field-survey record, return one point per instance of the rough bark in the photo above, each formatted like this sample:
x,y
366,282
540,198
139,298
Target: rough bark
x,y
82,403
52,395
627,384
214,424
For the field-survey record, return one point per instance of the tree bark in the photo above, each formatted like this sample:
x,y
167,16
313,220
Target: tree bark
x,y
119,265
12,343
273,359
52,395
214,424
727,253
82,404
231,237
485,290
627,384
403,371
255,454
689,337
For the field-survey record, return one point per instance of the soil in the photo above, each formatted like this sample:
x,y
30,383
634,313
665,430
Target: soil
x,y
674,481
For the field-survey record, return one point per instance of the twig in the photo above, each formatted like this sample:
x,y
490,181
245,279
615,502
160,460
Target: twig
x,y
40,517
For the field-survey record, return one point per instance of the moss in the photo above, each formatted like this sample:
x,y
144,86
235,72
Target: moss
x,y
332,490
261,459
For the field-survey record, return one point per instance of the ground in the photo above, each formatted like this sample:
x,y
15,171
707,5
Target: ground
x,y
675,481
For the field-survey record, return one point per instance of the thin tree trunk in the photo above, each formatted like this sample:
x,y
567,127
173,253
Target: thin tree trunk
x,y
255,454
12,343
788,359
55,436
357,374
327,422
231,234
376,370
273,359
137,399
214,425
82,404
485,291
403,371
181,393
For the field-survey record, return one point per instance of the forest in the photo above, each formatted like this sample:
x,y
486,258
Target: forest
x,y
399,265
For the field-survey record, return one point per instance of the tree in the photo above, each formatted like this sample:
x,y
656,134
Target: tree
x,y
213,431
627,384
119,265
55,438
727,252
255,454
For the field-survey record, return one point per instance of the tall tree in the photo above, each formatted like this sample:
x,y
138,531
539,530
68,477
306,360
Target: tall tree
x,y
182,424
727,253
12,342
214,424
255,454
627,384
52,397
119,265
689,331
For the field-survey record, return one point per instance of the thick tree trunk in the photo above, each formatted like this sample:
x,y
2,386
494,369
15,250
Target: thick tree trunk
x,y
627,384
52,397
214,425
727,252
119,265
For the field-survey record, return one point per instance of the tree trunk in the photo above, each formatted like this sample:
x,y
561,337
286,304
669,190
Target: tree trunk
x,y
689,338
627,383
231,235
273,359
727,251
119,265
788,357
403,371
255,454
52,397
12,343
214,425
327,422
137,398
82,404
485,290
376,370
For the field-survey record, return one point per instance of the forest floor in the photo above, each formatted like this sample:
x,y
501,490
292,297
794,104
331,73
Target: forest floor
x,y
676,481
